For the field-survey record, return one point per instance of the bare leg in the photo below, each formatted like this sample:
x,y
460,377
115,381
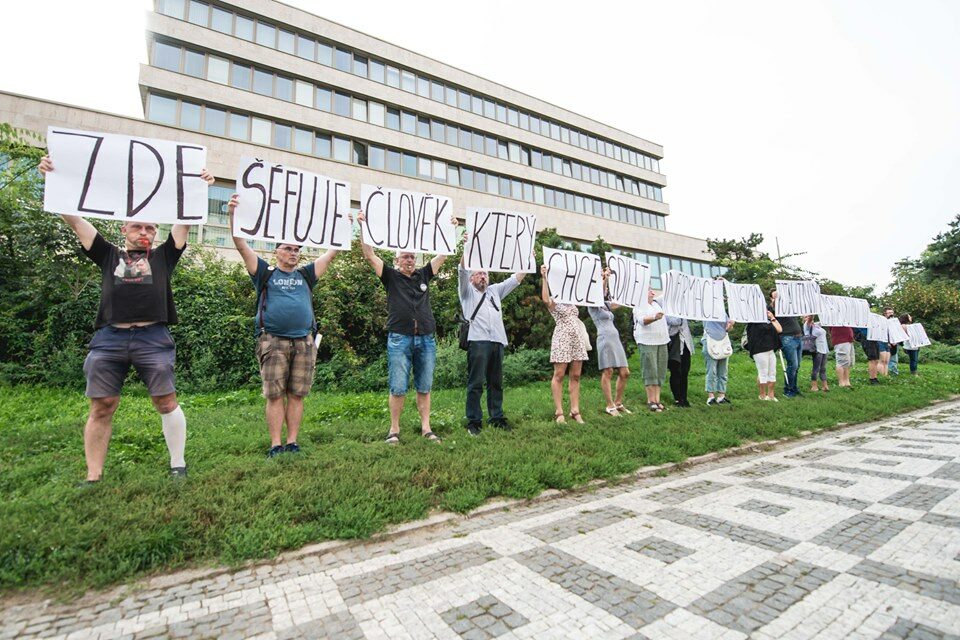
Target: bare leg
x,y
872,367
294,416
622,378
883,368
396,408
423,406
651,398
656,393
573,384
556,386
605,376
275,413
96,434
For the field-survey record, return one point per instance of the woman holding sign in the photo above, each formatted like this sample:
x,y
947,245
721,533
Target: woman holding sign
x,y
652,335
610,352
568,350
763,341
912,352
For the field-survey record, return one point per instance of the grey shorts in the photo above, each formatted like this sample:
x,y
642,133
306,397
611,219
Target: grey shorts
x,y
845,355
150,350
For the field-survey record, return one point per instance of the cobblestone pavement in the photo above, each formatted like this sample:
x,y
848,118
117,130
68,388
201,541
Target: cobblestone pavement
x,y
854,534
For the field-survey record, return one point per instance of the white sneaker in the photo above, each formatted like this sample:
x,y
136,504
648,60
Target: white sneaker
x,y
774,399
767,399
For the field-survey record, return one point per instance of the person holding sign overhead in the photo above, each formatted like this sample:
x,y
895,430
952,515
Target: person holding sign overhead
x,y
568,350
482,303
285,330
651,333
411,344
136,307
610,352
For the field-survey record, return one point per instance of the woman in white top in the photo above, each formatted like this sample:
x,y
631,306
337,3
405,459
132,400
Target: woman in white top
x,y
651,333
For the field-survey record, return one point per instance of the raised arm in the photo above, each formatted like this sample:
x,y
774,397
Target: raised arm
x,y
438,261
85,231
545,289
248,254
773,320
180,231
613,306
367,250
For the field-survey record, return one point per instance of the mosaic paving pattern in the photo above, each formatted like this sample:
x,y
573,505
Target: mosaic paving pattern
x,y
854,534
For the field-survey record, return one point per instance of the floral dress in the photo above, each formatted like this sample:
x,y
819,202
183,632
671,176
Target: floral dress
x,y
566,345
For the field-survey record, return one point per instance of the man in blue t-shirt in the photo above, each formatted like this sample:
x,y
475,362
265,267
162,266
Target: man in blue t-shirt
x,y
285,327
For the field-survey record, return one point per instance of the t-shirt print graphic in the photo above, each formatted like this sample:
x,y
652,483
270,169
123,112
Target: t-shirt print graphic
x,y
133,268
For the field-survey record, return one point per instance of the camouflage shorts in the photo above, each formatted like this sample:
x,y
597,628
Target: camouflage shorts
x,y
286,365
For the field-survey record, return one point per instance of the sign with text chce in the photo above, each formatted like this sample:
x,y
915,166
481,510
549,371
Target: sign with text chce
x,y
286,205
629,280
410,221
918,336
878,329
746,303
125,178
574,277
500,240
797,298
843,311
693,298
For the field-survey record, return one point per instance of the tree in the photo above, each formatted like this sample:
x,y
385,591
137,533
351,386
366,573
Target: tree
x,y
941,259
743,262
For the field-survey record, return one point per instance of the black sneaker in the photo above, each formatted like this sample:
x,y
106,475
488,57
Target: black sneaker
x,y
723,400
178,473
292,447
874,381
712,401
473,428
275,451
503,424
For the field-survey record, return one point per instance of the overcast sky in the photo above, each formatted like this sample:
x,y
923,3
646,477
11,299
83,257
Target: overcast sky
x,y
832,126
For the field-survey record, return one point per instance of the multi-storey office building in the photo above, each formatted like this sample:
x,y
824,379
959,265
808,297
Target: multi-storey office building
x,y
260,78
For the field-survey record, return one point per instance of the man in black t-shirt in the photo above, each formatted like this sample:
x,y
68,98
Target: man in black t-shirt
x,y
136,305
410,332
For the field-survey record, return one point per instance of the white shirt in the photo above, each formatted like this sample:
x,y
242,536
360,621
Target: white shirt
x,y
650,334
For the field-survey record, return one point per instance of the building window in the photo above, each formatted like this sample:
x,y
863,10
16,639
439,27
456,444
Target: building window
x,y
393,161
214,121
341,149
324,54
341,104
322,147
306,48
172,8
239,126
189,115
359,153
218,70
193,64
323,99
343,60
359,111
284,89
377,71
162,110
376,113
243,28
304,93
286,41
199,12
409,164
303,141
260,131
166,56
266,35
393,118
360,66
262,82
282,136
376,157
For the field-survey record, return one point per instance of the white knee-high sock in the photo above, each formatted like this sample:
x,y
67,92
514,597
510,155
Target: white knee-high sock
x,y
175,433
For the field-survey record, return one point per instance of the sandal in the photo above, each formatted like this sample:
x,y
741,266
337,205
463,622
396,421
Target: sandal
x,y
612,411
577,417
653,407
558,417
623,409
431,436
392,438
660,406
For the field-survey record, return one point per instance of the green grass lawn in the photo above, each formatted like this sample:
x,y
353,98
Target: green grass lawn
x,y
238,505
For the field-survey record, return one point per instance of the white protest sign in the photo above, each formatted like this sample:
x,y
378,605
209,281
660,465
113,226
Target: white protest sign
x,y
918,336
407,221
746,302
286,205
125,178
574,277
693,298
629,280
897,334
878,329
797,298
843,311
500,240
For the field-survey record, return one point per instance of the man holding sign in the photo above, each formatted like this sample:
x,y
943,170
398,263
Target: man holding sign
x,y
136,306
410,330
285,329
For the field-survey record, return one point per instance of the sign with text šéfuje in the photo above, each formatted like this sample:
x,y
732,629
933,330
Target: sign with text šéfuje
x,y
629,280
693,298
574,277
408,221
500,241
125,178
286,205
797,298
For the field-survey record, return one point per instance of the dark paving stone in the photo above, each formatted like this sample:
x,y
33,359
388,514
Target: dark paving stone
x,y
925,584
809,494
581,523
949,471
873,473
731,530
676,495
759,596
909,454
484,618
834,482
659,549
766,508
336,625
855,441
375,584
941,520
923,441
861,534
629,602
881,463
904,629
813,454
922,497
762,470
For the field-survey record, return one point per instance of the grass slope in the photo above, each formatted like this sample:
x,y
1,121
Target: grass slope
x,y
237,505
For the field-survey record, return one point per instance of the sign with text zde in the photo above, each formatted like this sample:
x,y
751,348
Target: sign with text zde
x,y
574,277
125,178
746,302
286,205
500,241
693,298
401,220
797,298
629,280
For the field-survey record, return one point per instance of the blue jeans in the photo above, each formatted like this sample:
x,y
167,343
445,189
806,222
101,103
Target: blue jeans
x,y
406,352
914,359
792,351
716,371
893,366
